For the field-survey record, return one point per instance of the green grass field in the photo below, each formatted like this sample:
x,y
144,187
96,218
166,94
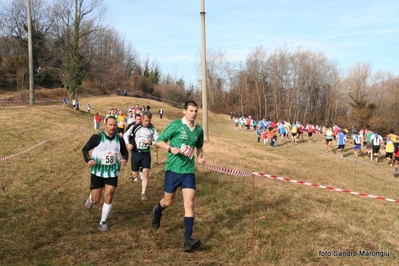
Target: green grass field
x,y
43,190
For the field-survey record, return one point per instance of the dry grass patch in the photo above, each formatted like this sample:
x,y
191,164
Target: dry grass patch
x,y
44,221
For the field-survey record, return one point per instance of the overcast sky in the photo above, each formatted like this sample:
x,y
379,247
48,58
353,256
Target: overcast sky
x,y
347,31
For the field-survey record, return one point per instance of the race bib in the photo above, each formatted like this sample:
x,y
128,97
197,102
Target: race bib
x,y
108,158
141,145
187,151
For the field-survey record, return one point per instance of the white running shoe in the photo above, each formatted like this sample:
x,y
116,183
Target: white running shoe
x,y
89,204
103,227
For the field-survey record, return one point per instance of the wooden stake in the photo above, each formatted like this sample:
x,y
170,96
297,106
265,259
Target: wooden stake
x,y
253,212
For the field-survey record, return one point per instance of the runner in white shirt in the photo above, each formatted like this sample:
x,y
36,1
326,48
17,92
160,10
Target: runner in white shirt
x,y
375,141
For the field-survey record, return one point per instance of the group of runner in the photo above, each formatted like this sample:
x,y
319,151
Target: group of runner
x,y
268,130
134,131
366,142
137,131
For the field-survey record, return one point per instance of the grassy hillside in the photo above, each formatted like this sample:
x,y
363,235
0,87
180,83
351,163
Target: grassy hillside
x,y
44,221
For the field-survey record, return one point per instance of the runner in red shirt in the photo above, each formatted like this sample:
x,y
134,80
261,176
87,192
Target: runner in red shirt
x,y
310,129
336,130
97,120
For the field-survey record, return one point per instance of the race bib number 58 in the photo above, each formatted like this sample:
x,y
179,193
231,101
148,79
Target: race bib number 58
x,y
187,151
108,158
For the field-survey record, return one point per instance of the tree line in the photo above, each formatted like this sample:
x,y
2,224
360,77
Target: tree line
x,y
74,49
302,85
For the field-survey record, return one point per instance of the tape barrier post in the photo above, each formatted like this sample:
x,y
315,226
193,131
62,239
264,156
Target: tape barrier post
x,y
253,213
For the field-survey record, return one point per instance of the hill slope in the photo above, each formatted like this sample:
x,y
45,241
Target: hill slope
x,y
44,221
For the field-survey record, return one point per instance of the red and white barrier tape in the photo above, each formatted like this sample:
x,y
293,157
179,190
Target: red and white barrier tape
x,y
286,179
225,170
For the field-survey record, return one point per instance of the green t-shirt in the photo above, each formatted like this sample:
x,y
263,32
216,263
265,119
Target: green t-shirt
x,y
179,134
329,134
368,136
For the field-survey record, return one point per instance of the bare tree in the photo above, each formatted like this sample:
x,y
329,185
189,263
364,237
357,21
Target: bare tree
x,y
172,92
385,101
256,68
280,71
287,85
219,79
13,38
357,85
315,77
113,60
237,92
75,20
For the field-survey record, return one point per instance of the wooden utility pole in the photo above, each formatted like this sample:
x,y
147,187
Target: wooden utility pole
x,y
30,52
204,76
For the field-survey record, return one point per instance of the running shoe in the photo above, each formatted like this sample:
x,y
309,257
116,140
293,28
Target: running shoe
x,y
89,204
103,227
143,197
191,244
156,221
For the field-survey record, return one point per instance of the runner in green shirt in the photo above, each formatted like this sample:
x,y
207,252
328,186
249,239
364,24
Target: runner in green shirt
x,y
369,145
184,136
329,137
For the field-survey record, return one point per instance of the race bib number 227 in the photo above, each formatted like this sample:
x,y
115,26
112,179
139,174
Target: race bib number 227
x,y
187,151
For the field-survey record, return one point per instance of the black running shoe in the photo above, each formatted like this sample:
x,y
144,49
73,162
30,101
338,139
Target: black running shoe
x,y
156,221
191,244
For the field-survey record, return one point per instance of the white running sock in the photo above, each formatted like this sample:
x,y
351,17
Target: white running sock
x,y
105,211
